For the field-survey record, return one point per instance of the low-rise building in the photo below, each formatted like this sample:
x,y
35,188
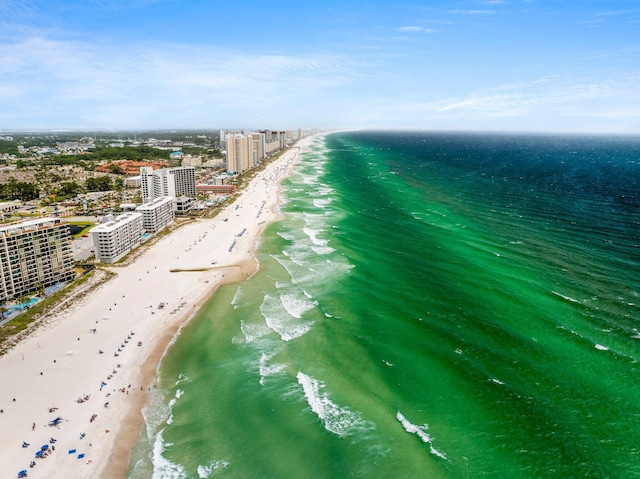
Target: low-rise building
x,y
133,181
216,189
157,214
115,238
183,204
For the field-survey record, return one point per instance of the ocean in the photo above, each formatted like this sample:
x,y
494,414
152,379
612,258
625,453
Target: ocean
x,y
432,305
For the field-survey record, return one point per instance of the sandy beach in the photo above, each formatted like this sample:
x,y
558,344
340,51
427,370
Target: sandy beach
x,y
76,386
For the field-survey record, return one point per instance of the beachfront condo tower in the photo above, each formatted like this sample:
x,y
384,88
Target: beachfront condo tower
x,y
34,254
179,181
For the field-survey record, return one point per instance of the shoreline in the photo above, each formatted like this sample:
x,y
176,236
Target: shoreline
x,y
133,422
102,348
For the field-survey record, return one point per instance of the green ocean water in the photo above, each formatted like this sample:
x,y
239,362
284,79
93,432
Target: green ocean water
x,y
432,305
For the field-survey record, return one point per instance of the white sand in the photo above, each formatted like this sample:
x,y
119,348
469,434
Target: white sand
x,y
60,362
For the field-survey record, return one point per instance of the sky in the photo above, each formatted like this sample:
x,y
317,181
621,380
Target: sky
x,y
481,65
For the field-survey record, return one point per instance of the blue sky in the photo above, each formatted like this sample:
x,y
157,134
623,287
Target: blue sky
x,y
521,65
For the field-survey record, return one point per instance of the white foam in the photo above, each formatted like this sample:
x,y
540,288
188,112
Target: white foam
x,y
162,467
205,471
309,179
236,297
295,305
267,369
336,419
565,297
421,432
286,235
253,331
277,318
313,236
321,203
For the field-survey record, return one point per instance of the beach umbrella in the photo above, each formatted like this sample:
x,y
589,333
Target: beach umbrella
x,y
45,447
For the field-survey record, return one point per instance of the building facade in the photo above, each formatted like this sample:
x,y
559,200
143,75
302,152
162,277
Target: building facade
x,y
34,254
114,239
179,181
239,153
157,214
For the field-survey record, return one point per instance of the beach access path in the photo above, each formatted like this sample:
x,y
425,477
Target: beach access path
x,y
89,367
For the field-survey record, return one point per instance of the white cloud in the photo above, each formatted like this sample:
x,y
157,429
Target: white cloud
x,y
80,84
473,12
551,104
415,29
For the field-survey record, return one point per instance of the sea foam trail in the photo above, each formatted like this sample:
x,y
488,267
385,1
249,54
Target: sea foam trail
x,y
336,419
421,432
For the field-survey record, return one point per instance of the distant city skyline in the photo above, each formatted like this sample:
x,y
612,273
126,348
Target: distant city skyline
x,y
494,65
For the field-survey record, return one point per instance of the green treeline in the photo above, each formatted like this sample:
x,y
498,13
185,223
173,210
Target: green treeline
x,y
18,190
101,183
9,147
132,153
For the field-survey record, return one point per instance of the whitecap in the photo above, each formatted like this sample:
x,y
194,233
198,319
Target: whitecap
x,y
321,203
267,369
565,297
205,471
338,420
277,318
295,305
421,432
163,468
252,331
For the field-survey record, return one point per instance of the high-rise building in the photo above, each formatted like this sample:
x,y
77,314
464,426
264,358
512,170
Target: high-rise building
x,y
239,153
174,182
34,254
115,238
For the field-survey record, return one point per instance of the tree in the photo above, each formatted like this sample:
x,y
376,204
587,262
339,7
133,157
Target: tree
x,y
68,189
100,183
115,169
18,190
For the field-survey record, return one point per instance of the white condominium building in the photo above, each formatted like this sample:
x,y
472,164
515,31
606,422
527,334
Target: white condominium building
x,y
180,181
34,254
114,239
157,214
